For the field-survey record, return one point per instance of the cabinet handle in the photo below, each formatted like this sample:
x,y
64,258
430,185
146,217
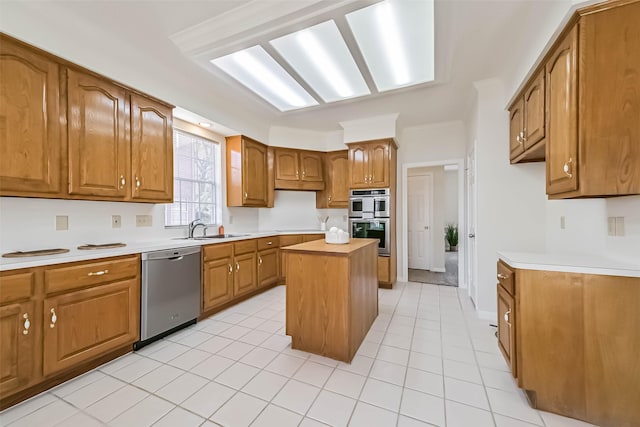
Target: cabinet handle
x,y
237,266
506,317
501,276
304,173
137,183
54,318
122,182
519,139
246,195
269,243
567,168
230,269
329,198
259,260
26,325
97,273
297,175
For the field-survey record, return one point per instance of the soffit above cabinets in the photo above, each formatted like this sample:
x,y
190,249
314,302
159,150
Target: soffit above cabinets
x,y
311,53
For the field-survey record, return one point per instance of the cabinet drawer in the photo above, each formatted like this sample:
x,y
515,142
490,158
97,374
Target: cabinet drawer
x,y
268,242
244,246
217,251
312,237
291,239
506,277
85,274
16,286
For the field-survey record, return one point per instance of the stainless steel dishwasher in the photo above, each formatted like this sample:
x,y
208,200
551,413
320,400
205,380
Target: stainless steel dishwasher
x,y
170,297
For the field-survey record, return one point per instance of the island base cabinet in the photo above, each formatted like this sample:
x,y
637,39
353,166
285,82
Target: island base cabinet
x,y
17,346
82,325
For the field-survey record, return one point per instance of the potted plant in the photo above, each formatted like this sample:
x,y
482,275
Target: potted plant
x,y
451,236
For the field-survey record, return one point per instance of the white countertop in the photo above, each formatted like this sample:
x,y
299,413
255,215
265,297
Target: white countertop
x,y
134,247
571,263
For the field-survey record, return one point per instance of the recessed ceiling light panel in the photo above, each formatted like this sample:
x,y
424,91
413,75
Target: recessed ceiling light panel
x,y
258,71
320,56
396,39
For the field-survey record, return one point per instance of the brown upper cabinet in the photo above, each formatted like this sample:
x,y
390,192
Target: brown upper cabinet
x,y
31,144
336,180
247,176
119,142
527,124
589,78
298,169
370,163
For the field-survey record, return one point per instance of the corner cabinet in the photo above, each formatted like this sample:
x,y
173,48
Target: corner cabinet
x,y
370,163
31,141
247,174
336,192
298,169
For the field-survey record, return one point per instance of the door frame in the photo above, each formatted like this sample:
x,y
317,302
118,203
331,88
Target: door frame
x,y
403,271
471,190
429,190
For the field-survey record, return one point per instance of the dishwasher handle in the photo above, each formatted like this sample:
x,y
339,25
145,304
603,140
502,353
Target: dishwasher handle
x,y
177,258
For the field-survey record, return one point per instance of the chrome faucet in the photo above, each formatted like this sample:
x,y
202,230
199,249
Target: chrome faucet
x,y
195,224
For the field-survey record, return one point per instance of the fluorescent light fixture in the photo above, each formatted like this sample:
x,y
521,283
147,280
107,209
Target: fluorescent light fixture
x,y
396,39
258,71
321,57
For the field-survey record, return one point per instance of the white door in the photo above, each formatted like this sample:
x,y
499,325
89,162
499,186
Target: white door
x,y
471,226
419,190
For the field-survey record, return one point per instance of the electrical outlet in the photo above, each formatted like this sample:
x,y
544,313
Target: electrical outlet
x,y
344,218
62,222
619,226
563,223
230,219
144,220
611,226
116,221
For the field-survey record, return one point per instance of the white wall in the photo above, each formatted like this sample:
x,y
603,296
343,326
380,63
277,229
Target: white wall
x,y
451,197
370,128
296,210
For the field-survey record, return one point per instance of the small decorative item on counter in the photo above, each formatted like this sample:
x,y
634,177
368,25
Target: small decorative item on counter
x,y
336,236
221,229
323,222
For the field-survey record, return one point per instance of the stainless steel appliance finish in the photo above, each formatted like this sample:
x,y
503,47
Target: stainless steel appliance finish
x,y
170,292
373,203
377,228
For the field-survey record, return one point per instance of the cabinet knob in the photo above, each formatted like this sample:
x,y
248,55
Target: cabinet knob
x,y
259,260
297,174
329,198
230,269
245,195
54,318
122,182
501,276
26,325
304,173
137,183
567,168
506,317
237,266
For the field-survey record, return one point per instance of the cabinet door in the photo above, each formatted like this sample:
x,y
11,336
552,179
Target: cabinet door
x,y
268,272
516,124
534,112
379,162
358,166
254,173
287,240
507,328
98,114
151,151
337,180
287,167
311,165
30,144
562,115
244,278
85,324
17,346
218,282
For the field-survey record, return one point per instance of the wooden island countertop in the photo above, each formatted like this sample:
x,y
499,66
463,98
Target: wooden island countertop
x,y
332,295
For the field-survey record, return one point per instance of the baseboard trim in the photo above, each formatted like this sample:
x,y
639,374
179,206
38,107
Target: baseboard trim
x,y
487,315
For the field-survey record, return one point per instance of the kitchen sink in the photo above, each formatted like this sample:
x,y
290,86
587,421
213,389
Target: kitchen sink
x,y
215,236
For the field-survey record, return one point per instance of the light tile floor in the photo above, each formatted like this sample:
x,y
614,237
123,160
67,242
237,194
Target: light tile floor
x,y
428,360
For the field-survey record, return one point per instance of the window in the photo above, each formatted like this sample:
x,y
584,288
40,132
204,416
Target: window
x,y
196,185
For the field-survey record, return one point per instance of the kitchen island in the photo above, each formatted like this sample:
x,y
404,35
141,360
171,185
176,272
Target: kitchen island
x,y
332,296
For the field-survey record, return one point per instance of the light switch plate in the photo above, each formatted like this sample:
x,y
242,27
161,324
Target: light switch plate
x,y
619,226
144,220
611,226
62,222
116,221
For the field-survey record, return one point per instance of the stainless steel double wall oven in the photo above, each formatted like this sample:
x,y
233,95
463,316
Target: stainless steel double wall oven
x,y
369,216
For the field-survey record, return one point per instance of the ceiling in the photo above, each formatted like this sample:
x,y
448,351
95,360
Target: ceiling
x,y
136,42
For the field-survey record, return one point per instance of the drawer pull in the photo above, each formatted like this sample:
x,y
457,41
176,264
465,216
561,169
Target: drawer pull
x,y
269,243
54,318
237,266
506,317
501,276
98,273
259,260
27,324
230,269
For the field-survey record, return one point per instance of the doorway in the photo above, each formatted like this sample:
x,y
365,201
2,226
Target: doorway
x,y
433,218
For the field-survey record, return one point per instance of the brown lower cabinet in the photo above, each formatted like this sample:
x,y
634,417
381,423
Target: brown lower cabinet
x,y
572,341
57,320
217,275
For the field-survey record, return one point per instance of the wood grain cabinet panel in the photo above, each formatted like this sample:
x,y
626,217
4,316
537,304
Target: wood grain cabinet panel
x,y
287,240
268,267
244,276
287,165
358,166
81,325
17,346
370,163
247,175
516,126
218,282
534,112
298,169
151,150
379,163
98,136
507,328
336,192
311,166
31,145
